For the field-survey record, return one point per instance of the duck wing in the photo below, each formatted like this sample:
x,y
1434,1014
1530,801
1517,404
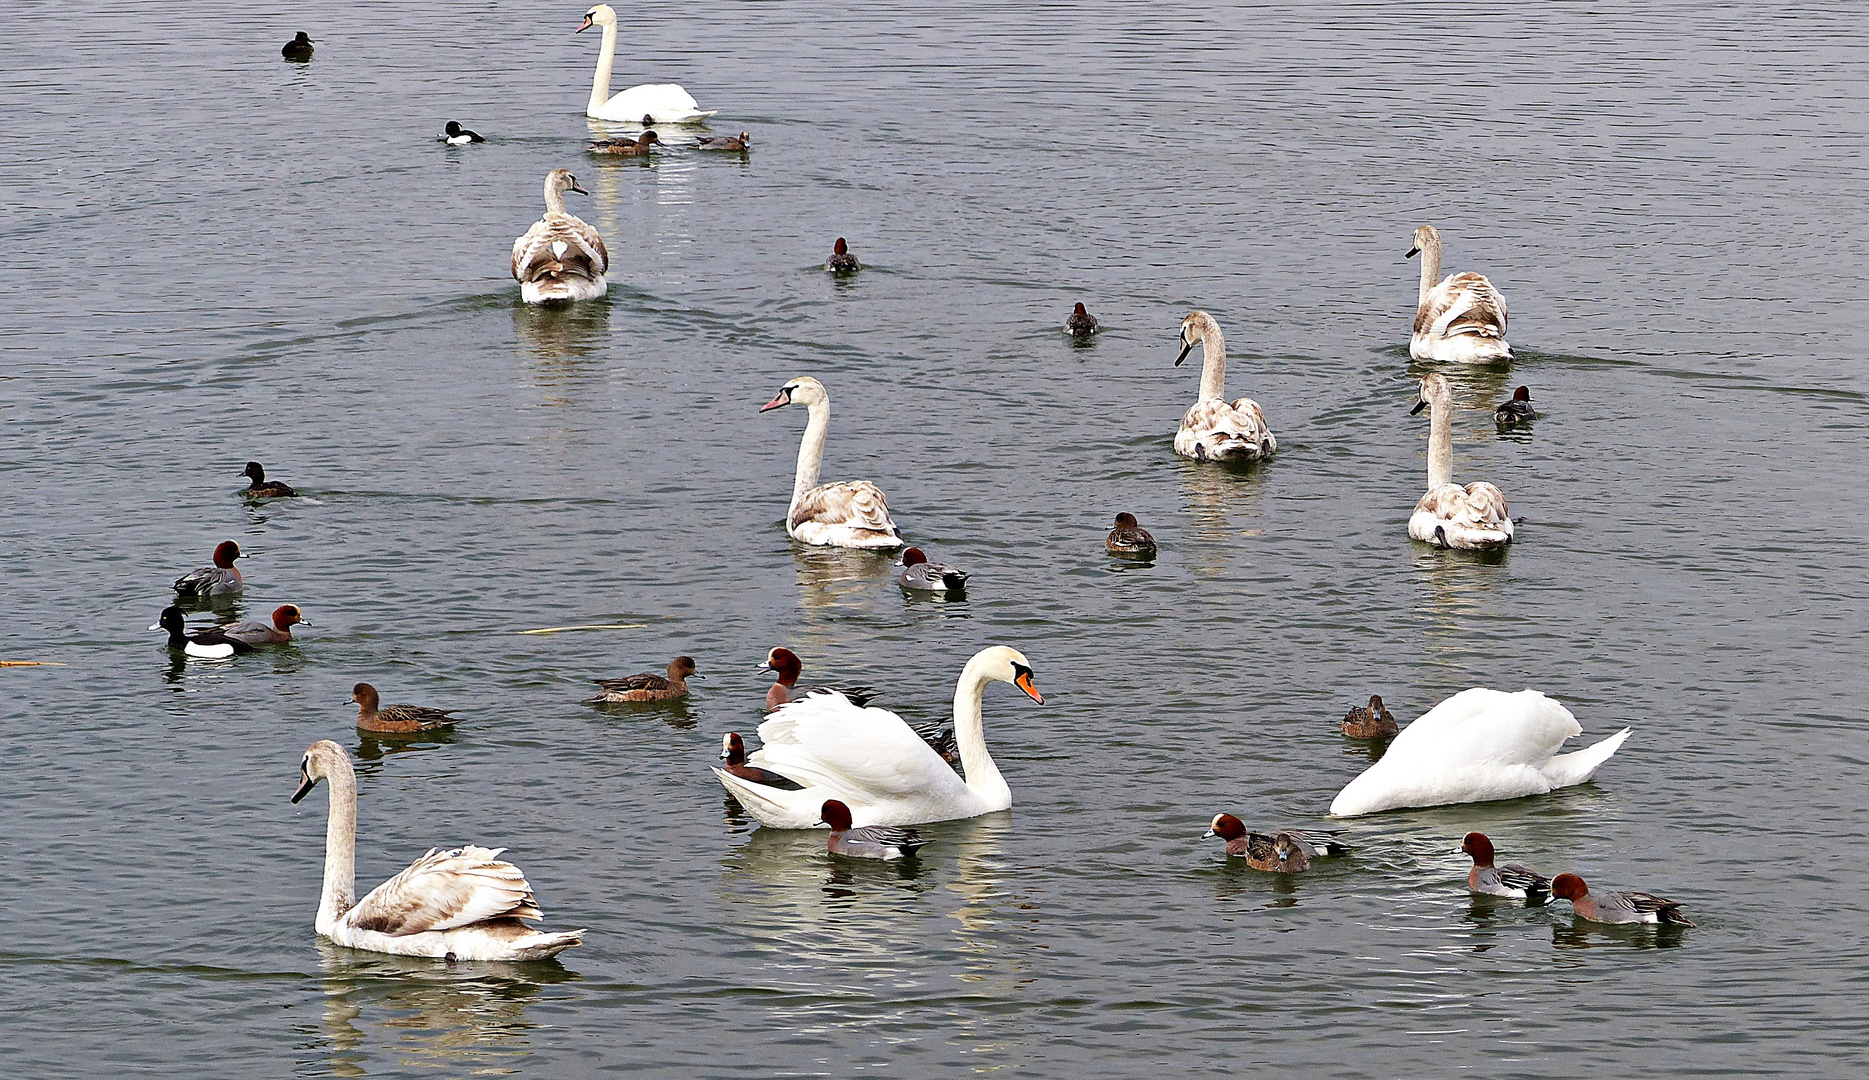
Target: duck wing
x,y
415,714
644,681
444,890
1515,876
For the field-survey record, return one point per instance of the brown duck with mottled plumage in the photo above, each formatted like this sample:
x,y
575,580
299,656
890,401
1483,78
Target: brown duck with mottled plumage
x,y
648,687
1375,722
374,716
1129,538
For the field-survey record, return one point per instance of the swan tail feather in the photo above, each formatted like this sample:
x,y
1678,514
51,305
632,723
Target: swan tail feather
x,y
775,808
1565,770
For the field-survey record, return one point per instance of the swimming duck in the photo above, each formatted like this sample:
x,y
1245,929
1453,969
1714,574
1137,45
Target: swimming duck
x,y
262,488
1462,318
920,575
462,904
1080,323
785,663
456,135
210,643
841,261
871,842
1288,851
1214,429
648,687
666,102
1509,880
1129,539
639,145
1516,411
1470,518
733,752
1375,722
1616,907
1477,746
848,513
725,142
373,715
560,257
299,48
278,632
221,579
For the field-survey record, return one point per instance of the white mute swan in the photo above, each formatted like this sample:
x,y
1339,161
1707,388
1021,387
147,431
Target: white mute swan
x,y
560,257
1462,318
1214,429
465,904
1471,518
663,103
850,513
873,762
1477,746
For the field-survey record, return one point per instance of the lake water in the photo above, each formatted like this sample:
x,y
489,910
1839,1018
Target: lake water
x,y
217,256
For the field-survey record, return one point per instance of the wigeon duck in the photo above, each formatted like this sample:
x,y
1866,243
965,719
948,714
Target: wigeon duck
x,y
784,663
278,632
1508,880
209,644
262,488
1517,411
1289,851
639,145
733,752
841,261
373,715
725,142
456,135
1616,907
648,687
1129,539
221,579
870,842
1461,317
299,48
1375,722
920,575
1080,323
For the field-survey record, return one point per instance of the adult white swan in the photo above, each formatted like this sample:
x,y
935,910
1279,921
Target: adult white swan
x,y
465,904
849,513
873,762
1477,746
664,103
1214,429
560,257
1472,518
1462,318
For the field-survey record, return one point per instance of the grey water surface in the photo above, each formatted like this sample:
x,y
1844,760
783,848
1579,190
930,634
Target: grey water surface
x,y
215,255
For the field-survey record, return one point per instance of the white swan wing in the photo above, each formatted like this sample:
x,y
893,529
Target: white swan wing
x,y
444,890
558,243
666,103
851,504
1481,727
870,754
1463,304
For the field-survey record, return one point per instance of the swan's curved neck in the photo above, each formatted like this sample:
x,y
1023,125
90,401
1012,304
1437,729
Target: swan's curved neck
x,y
340,848
1430,268
1213,363
983,776
811,450
554,196
600,83
1440,441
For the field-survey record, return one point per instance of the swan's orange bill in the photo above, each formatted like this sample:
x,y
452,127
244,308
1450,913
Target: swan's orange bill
x,y
1024,682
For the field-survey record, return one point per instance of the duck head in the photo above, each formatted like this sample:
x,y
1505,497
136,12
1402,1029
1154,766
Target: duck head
x,y
1226,827
1478,846
732,748
225,553
785,663
365,695
682,667
835,814
170,620
255,473
286,615
1569,887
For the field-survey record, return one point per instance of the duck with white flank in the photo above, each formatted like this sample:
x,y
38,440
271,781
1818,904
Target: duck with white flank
x,y
463,904
208,644
277,632
1461,318
1510,880
560,257
649,687
1616,907
1374,722
1129,539
259,487
1516,411
665,103
1288,851
221,579
456,135
1080,323
871,842
841,261
920,575
848,513
374,716
1470,518
1214,429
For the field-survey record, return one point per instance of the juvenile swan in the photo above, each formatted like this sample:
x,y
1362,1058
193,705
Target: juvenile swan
x,y
665,103
850,513
1472,518
1213,429
560,257
464,904
1462,318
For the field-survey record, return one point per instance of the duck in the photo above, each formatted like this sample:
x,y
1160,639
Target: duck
x,y
920,575
299,48
1616,907
464,903
665,103
259,487
871,842
1477,746
1470,518
208,644
1516,411
277,632
1080,323
1461,318
639,145
560,257
1288,851
733,752
221,579
736,143
1129,539
649,687
456,135
1374,722
1214,429
873,762
849,513
841,261
374,716
785,663
1510,880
